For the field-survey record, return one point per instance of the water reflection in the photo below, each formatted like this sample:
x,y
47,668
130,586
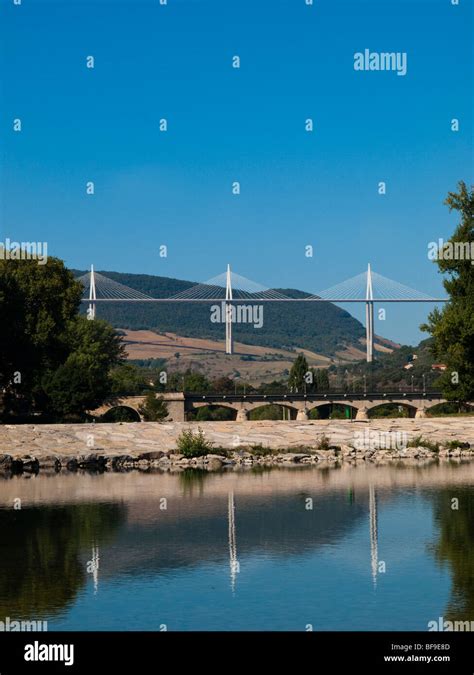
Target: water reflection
x,y
256,526
40,557
373,526
455,547
93,567
233,562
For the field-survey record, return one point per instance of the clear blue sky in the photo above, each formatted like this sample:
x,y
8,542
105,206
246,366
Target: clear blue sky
x,y
297,188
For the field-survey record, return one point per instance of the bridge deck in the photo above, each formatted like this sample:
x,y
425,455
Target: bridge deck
x,y
332,396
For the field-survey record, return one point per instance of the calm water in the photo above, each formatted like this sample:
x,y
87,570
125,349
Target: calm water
x,y
382,548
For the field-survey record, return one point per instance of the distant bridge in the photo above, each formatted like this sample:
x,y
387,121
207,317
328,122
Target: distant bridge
x,y
229,290
299,405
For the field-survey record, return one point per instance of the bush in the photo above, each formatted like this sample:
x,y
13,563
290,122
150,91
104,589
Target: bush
x,y
454,445
324,443
260,450
420,442
192,444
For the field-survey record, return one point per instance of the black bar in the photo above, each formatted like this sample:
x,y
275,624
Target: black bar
x,y
152,652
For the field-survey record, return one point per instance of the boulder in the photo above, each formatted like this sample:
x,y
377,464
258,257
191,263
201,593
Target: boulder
x,y
297,457
122,462
92,462
164,461
50,462
214,464
5,462
153,454
29,463
198,462
347,449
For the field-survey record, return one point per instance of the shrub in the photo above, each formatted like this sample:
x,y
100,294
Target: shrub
x,y
260,450
420,442
192,444
324,443
302,449
221,451
454,445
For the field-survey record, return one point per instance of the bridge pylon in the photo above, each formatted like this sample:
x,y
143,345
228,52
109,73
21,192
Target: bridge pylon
x,y
229,345
92,296
369,316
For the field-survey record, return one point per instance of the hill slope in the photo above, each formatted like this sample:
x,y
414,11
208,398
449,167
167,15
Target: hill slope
x,y
323,328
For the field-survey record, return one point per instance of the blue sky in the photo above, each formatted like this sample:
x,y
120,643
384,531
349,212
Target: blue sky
x,y
246,125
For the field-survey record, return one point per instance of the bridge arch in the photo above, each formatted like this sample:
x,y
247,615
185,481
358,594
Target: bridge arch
x,y
211,412
432,405
323,409
207,404
256,410
115,410
392,406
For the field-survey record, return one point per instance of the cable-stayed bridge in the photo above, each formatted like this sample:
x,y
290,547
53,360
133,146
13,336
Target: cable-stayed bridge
x,y
231,290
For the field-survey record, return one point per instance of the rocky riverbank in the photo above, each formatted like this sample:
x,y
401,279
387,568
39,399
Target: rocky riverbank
x,y
239,459
235,445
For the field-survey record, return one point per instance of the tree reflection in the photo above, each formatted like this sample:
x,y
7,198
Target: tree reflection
x,y
40,566
455,548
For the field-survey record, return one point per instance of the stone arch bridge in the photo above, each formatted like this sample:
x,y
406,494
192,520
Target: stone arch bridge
x,y
180,404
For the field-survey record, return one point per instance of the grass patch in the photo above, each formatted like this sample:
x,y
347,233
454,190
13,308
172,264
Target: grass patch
x,y
261,450
420,442
454,445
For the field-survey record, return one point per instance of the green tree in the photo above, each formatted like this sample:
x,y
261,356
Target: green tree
x,y
453,326
195,382
322,380
51,359
82,382
223,385
36,304
154,408
129,379
296,380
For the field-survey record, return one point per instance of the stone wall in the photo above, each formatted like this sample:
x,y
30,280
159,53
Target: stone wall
x,y
113,439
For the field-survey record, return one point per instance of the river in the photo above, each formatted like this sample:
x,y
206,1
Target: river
x,y
382,547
